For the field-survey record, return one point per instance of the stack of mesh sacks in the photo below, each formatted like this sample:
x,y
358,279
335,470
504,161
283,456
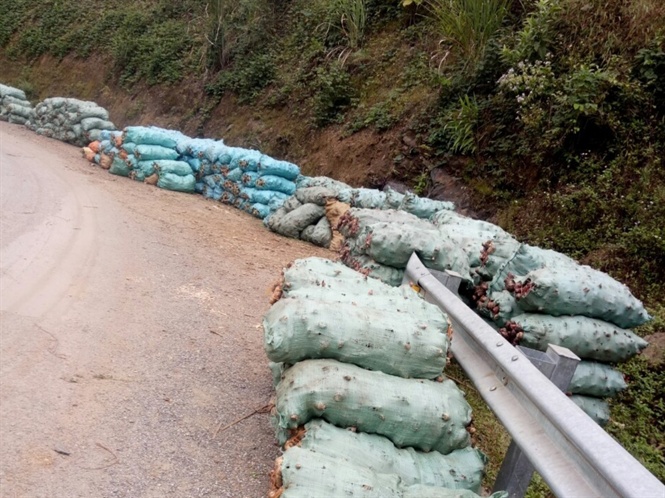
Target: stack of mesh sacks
x,y
362,407
14,106
244,178
533,296
73,121
305,216
151,155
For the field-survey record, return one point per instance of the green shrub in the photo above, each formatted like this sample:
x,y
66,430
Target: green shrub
x,y
334,94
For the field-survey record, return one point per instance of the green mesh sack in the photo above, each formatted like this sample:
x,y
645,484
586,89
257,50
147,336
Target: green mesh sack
x,y
321,181
586,337
422,414
392,245
311,273
460,469
596,379
169,181
422,207
367,266
499,307
596,408
393,342
332,282
294,222
581,290
305,473
393,198
315,195
520,259
179,168
153,152
119,167
451,218
356,219
319,234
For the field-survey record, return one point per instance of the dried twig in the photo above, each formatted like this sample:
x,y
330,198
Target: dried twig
x,y
115,459
263,409
52,350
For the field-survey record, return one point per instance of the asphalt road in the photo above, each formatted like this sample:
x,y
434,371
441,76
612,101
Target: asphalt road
x,y
129,333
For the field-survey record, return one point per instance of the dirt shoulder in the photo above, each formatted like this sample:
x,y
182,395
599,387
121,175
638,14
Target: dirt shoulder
x,y
136,336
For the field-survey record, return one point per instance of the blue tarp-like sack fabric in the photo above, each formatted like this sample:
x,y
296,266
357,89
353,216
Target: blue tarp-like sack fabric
x,y
275,183
170,181
147,152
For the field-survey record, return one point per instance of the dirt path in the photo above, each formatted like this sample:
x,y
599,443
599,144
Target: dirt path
x,y
129,331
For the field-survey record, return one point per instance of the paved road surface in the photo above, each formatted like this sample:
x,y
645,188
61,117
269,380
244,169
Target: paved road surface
x,y
112,382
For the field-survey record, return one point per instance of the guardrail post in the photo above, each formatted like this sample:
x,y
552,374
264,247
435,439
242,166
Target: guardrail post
x,y
558,364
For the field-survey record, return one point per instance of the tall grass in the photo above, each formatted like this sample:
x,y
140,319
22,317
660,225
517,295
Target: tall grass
x,y
466,26
349,19
234,26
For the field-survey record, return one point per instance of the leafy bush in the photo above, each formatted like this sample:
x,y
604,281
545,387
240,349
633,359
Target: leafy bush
x,y
246,80
334,93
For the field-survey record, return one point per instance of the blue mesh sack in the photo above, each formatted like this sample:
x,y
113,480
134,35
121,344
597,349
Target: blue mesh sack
x,y
284,169
169,181
275,183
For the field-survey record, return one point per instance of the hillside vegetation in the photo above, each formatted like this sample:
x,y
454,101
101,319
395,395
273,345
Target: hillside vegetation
x,y
548,114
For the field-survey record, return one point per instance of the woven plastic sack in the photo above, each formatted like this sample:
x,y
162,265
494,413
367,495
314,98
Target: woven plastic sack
x,y
320,181
6,90
129,147
319,234
294,222
249,179
151,136
461,469
177,183
355,219
194,147
393,342
596,379
24,111
365,198
581,290
422,414
315,195
119,167
586,337
499,307
303,473
16,119
246,160
259,210
311,274
180,168
235,175
262,196
423,207
154,152
367,266
392,245
146,168
269,166
88,124
447,218
275,183
524,258
596,408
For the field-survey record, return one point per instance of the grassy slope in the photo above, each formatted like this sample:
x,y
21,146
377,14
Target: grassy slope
x,y
566,152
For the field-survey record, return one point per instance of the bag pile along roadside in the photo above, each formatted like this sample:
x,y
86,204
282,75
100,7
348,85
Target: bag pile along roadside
x,y
14,105
353,353
74,121
532,296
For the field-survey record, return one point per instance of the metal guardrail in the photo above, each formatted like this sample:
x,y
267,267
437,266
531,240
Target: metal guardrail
x,y
575,456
